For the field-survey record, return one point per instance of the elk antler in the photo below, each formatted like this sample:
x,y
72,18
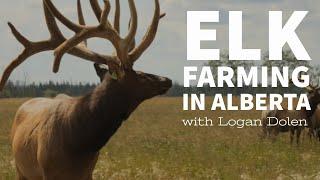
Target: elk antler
x,y
126,52
117,22
81,19
150,35
96,8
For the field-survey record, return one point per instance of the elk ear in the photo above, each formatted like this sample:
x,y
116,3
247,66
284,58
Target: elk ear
x,y
101,70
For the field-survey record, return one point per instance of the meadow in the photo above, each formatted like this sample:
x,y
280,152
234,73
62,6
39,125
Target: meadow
x,y
154,144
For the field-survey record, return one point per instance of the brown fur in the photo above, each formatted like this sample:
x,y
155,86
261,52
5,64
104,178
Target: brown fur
x,y
274,131
314,99
60,138
314,129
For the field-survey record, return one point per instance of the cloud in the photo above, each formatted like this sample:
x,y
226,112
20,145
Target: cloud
x,y
167,55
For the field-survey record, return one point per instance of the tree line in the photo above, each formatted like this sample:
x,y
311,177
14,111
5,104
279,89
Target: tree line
x,y
51,89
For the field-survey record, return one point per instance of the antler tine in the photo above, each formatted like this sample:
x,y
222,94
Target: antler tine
x,y
81,19
96,8
117,17
150,35
9,69
68,45
80,13
82,33
103,31
105,13
124,57
74,27
31,48
56,39
55,33
134,22
133,42
132,45
24,41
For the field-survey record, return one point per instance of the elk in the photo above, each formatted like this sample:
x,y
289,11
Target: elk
x,y
314,100
60,138
314,127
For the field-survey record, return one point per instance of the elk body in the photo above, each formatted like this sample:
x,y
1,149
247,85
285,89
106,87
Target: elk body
x,y
273,131
60,138
314,127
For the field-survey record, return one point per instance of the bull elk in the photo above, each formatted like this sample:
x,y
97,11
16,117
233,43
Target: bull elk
x,y
60,138
314,100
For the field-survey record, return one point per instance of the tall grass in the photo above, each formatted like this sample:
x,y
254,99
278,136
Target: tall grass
x,y
154,144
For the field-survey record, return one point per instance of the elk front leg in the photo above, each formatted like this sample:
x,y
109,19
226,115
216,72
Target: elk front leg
x,y
264,132
310,133
273,132
19,175
317,133
298,135
291,135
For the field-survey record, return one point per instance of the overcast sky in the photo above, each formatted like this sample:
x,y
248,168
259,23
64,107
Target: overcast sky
x,y
167,55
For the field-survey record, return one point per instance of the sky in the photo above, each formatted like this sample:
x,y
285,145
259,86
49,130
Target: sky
x,y
167,55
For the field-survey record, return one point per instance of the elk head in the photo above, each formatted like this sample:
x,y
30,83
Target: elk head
x,y
313,96
120,70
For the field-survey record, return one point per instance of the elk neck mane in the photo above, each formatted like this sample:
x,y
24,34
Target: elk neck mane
x,y
98,115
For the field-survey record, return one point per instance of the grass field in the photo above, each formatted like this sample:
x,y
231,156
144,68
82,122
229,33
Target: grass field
x,y
154,144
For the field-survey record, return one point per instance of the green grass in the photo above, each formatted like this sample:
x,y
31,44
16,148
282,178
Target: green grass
x,y
153,144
